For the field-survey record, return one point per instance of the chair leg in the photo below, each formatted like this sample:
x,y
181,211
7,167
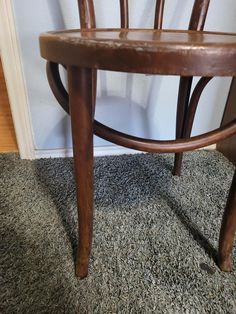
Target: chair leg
x,y
81,110
228,229
185,85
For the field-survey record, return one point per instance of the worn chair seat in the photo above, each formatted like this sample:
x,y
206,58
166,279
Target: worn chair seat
x,y
172,52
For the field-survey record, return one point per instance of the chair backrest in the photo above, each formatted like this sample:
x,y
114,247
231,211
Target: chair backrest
x,y
197,20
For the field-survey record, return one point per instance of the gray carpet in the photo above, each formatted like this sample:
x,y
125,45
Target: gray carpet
x,y
155,236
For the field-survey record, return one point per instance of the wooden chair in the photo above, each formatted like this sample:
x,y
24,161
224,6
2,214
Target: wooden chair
x,y
153,51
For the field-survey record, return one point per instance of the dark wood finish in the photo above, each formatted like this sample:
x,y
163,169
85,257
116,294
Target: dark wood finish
x,y
197,23
154,146
80,91
88,21
228,229
185,116
56,85
87,14
199,14
94,89
185,53
168,52
185,85
124,14
192,108
228,146
160,4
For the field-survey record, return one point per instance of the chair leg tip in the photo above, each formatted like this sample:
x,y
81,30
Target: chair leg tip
x,y
225,264
176,173
81,274
81,269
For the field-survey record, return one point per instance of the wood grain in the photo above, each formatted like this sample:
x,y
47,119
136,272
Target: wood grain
x,y
7,132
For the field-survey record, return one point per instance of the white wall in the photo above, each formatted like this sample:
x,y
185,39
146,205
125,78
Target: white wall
x,y
139,104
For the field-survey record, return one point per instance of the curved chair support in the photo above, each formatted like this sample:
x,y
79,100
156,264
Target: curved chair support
x,y
56,85
119,138
171,146
185,85
186,112
192,108
58,88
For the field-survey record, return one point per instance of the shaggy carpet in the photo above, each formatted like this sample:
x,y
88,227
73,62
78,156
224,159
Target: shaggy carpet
x,y
155,236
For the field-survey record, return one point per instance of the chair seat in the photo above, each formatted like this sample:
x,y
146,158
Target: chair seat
x,y
171,52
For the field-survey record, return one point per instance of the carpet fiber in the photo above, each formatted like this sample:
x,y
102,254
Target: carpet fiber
x,y
155,236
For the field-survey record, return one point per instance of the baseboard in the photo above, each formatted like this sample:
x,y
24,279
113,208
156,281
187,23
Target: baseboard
x,y
98,151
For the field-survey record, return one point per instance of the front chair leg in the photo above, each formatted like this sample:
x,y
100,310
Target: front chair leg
x,y
185,85
228,229
81,110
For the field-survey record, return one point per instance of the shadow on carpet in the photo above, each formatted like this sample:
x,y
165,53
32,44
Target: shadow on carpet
x,y
155,236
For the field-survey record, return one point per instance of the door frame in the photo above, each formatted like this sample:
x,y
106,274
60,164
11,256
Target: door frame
x,y
15,81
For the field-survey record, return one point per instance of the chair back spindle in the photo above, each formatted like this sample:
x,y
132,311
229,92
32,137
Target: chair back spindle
x,y
199,14
87,14
124,14
197,20
159,14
